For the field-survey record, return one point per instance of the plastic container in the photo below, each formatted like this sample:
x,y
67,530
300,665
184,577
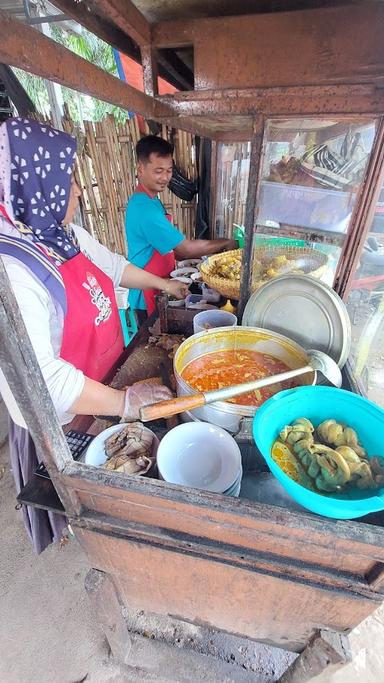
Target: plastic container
x,y
207,319
317,404
307,207
210,295
197,301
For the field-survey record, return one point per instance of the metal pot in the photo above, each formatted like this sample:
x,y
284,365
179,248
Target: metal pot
x,y
231,416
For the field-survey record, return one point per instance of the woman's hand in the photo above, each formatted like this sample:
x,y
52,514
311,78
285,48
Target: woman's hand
x,y
175,288
140,279
142,394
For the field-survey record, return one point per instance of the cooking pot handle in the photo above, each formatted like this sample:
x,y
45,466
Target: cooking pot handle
x,y
180,404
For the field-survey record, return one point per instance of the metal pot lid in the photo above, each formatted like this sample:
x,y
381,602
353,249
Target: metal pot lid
x,y
305,310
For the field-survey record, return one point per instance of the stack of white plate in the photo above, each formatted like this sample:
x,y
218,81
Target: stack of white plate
x,y
203,456
234,490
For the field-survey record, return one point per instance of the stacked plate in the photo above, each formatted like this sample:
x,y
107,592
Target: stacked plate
x,y
203,456
234,490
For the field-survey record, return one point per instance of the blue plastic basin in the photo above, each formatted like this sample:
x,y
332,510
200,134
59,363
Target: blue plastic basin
x,y
317,404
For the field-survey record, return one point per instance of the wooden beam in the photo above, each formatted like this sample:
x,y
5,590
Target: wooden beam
x,y
178,33
176,66
124,43
125,15
28,49
103,29
295,100
307,47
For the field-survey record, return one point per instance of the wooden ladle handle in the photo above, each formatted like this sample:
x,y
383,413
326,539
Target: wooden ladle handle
x,y
171,407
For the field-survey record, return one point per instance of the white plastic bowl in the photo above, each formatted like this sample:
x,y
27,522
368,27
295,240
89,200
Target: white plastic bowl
x,y
96,455
188,263
179,272
217,318
199,455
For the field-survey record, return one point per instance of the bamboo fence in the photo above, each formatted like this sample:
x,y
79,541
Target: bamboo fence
x,y
106,170
231,186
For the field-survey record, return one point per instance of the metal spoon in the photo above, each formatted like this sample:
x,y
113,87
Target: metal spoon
x,y
317,360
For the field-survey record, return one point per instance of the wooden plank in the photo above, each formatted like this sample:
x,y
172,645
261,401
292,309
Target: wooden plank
x,y
107,607
256,561
326,653
307,47
236,521
218,594
125,15
28,49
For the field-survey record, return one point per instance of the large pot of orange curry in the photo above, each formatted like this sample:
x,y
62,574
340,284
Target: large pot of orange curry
x,y
224,356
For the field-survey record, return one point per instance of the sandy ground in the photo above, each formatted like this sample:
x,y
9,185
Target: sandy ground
x,y
48,633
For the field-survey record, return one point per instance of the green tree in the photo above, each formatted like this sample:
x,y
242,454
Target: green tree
x,y
81,107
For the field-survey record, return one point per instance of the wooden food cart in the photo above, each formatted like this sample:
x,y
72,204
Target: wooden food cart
x,y
289,577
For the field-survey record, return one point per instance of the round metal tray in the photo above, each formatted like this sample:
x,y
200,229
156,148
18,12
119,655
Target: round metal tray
x,y
305,310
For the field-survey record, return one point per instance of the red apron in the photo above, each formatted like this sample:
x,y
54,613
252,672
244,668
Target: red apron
x,y
159,264
92,336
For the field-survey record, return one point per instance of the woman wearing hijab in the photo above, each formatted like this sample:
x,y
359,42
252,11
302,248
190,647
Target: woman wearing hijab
x,y
64,283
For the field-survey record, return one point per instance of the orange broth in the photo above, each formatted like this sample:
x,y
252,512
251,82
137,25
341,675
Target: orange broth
x,y
221,369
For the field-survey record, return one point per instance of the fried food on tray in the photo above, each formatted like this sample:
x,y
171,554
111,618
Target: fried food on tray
x,y
229,268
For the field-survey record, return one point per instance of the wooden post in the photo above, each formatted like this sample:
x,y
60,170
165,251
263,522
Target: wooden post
x,y
213,190
362,216
108,610
22,372
150,72
326,652
249,220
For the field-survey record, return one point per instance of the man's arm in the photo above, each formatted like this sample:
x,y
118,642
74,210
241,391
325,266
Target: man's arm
x,y
197,248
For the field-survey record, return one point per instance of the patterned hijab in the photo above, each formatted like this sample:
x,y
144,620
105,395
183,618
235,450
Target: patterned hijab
x,y
36,165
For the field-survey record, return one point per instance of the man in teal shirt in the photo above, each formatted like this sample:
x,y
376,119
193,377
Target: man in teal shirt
x,y
153,242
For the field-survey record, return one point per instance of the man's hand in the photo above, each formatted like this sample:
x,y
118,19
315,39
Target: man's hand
x,y
232,244
176,288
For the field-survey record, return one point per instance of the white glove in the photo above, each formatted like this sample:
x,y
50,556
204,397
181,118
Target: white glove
x,y
142,394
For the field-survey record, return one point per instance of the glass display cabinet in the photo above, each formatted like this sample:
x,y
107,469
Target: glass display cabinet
x,y
311,173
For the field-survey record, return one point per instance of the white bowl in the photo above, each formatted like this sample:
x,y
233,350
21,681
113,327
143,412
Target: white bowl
x,y
189,262
183,271
96,455
236,484
199,455
183,278
176,303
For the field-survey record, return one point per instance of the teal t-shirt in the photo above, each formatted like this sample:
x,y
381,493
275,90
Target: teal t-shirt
x,y
147,229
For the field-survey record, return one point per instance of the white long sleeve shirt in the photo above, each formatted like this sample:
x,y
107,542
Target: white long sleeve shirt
x,y
44,321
